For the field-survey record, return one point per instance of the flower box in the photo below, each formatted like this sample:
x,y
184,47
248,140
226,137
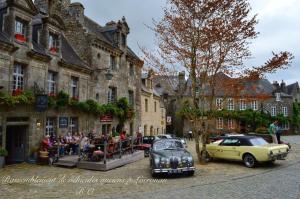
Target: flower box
x,y
17,92
53,50
20,37
75,98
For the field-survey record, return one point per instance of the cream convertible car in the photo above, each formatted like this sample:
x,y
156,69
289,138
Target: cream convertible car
x,y
249,149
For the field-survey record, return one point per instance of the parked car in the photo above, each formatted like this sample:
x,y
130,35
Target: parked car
x,y
182,140
165,136
146,144
269,139
169,156
249,149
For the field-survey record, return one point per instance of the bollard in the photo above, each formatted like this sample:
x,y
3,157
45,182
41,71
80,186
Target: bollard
x,y
105,151
120,147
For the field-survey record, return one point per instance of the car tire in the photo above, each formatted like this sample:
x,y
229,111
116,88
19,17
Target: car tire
x,y
249,160
207,157
190,173
154,175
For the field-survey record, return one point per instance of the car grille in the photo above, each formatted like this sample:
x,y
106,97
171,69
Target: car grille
x,y
174,162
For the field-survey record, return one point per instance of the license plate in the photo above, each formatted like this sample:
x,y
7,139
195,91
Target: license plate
x,y
175,171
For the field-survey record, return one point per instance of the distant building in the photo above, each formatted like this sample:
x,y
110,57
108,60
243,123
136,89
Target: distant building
x,y
258,95
153,113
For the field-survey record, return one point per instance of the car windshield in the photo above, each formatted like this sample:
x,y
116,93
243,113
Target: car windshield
x,y
167,144
258,141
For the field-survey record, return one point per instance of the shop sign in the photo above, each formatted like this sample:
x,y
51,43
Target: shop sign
x,y
63,122
41,103
169,120
106,118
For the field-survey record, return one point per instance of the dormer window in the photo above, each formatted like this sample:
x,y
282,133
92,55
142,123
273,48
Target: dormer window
x,y
278,97
123,40
20,30
53,43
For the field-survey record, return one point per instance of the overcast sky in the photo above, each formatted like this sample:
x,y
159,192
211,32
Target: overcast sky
x,y
278,26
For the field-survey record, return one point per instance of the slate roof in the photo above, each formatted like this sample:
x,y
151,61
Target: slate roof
x,y
292,87
69,55
4,38
105,33
165,84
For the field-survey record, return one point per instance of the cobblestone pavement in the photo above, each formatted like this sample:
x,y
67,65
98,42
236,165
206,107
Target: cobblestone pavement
x,y
217,179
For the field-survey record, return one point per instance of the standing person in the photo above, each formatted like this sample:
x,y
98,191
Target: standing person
x,y
190,135
278,134
272,131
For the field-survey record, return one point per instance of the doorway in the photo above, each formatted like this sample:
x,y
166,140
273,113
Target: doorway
x,y
16,144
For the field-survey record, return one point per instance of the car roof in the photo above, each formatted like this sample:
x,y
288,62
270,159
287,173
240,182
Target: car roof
x,y
246,137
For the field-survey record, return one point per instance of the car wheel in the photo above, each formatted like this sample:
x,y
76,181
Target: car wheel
x,y
207,157
191,173
249,161
154,175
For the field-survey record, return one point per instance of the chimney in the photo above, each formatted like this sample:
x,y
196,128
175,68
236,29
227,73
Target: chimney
x,y
276,86
43,6
77,11
181,81
283,87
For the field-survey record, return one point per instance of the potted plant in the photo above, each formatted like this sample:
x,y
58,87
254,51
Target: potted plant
x,y
3,153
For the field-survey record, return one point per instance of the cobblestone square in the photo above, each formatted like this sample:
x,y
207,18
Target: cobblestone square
x,y
217,179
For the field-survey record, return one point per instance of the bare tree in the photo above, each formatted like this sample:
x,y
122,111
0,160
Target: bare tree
x,y
208,37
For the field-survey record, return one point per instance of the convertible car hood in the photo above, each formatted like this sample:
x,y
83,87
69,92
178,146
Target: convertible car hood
x,y
169,153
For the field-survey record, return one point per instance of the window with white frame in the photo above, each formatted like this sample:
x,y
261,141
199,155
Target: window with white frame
x,y
20,30
278,97
273,111
254,105
230,123
73,125
51,82
112,95
74,87
285,111
230,104
243,104
219,103
53,43
219,123
18,77
50,126
285,126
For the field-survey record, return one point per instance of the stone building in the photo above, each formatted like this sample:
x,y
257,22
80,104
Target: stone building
x,y
50,46
260,95
153,118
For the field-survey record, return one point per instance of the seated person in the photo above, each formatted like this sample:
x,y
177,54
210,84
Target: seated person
x,y
45,144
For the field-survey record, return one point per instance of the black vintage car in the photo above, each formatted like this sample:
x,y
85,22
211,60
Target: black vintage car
x,y
169,156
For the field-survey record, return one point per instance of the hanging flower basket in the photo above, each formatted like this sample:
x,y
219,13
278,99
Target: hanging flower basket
x,y
20,37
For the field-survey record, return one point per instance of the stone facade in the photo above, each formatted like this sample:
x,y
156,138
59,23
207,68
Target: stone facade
x,y
52,41
153,113
270,98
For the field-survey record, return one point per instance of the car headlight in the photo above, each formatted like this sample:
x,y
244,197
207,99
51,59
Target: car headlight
x,y
164,162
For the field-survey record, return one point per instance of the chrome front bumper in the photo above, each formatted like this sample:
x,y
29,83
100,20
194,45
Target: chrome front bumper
x,y
278,156
173,171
